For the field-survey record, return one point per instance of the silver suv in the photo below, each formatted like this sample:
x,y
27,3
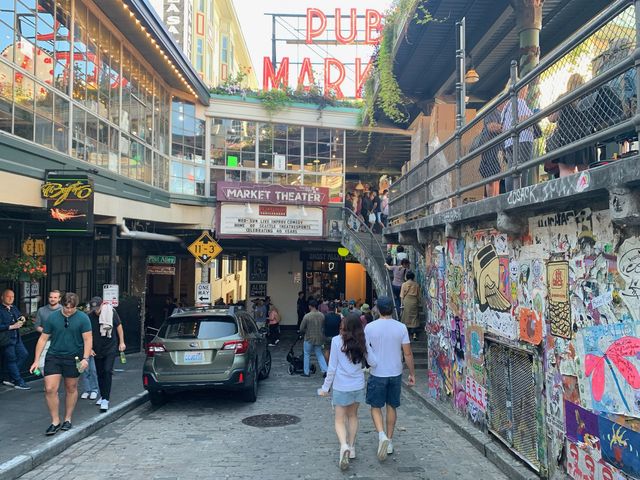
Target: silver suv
x,y
207,347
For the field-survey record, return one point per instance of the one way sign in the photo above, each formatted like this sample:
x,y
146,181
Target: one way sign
x,y
203,293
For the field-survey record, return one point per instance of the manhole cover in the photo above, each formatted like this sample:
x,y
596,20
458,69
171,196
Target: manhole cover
x,y
271,420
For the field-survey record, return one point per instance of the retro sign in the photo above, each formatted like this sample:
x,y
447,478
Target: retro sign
x,y
69,203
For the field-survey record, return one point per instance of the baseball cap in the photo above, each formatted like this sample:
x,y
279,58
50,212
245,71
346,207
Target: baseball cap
x,y
352,302
365,308
385,304
95,303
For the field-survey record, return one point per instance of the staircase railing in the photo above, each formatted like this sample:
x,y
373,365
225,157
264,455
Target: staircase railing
x,y
365,247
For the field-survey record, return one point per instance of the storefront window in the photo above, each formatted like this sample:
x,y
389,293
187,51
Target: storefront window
x,y
187,150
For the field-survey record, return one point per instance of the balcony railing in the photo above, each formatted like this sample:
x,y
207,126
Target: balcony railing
x,y
580,100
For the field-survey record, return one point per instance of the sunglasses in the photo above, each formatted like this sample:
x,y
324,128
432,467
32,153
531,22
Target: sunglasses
x,y
66,322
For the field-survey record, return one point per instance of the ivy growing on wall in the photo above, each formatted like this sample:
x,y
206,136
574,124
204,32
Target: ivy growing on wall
x,y
381,89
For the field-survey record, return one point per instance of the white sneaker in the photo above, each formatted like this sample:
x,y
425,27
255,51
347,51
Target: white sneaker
x,y
93,395
383,446
84,395
99,401
344,457
352,452
104,405
390,448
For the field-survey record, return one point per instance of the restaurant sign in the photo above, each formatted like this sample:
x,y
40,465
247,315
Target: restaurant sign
x,y
271,194
69,203
239,219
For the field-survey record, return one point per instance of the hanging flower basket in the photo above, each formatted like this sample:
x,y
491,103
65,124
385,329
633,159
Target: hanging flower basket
x,y
23,268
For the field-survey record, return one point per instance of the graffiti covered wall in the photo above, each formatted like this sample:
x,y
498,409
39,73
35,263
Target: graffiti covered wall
x,y
561,304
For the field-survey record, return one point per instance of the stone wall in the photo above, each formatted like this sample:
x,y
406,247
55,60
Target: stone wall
x,y
536,337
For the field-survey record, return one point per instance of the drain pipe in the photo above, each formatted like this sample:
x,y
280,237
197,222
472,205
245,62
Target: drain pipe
x,y
135,235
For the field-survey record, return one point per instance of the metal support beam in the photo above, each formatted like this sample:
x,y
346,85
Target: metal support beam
x,y
113,256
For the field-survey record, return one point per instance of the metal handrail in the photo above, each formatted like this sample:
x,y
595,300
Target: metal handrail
x,y
347,214
517,127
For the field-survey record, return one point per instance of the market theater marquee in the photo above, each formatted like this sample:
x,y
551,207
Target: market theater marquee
x,y
251,209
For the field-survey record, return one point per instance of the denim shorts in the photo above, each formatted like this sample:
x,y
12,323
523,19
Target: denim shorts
x,y
344,399
384,390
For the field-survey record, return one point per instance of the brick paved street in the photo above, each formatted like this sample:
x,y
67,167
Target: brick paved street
x,y
201,436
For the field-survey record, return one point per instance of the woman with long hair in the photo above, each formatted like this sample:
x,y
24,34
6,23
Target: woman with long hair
x,y
345,374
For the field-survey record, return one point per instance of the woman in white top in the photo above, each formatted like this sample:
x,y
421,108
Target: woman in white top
x,y
345,373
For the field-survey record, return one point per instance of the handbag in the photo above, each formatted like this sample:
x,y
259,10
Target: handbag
x,y
372,217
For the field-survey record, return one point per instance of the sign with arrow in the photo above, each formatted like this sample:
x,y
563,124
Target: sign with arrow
x,y
203,293
205,248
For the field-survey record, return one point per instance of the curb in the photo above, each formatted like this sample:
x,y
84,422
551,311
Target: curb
x,y
493,451
21,464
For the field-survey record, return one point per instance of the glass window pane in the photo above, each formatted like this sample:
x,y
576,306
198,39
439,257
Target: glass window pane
x,y
23,123
6,115
44,131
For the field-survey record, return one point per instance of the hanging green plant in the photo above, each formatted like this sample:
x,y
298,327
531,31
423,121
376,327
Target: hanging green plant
x,y
382,89
274,100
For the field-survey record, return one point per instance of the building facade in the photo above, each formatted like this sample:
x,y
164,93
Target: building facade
x,y
209,34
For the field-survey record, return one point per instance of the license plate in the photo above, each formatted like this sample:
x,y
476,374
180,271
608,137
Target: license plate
x,y
193,357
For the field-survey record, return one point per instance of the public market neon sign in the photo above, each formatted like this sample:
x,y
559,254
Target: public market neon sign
x,y
316,25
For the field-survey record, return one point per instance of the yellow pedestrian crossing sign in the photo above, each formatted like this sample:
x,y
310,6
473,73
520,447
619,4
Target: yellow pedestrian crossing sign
x,y
205,248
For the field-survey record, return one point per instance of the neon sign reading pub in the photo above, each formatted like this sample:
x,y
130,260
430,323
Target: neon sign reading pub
x,y
334,70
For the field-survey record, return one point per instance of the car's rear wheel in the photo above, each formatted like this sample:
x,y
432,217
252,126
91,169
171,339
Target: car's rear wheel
x,y
266,368
157,397
250,393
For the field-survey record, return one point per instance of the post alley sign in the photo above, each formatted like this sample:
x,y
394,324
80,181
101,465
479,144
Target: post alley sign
x,y
334,70
69,199
271,194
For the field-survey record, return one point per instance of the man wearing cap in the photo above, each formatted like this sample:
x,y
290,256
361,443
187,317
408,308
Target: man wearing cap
x,y
70,333
353,308
104,323
387,340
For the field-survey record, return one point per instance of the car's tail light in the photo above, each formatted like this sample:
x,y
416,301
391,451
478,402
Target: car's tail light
x,y
154,348
241,378
238,346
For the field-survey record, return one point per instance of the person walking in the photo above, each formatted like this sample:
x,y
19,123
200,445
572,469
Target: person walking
x,y
312,327
274,326
332,321
14,352
346,376
104,322
399,272
387,341
70,333
409,294
301,308
41,317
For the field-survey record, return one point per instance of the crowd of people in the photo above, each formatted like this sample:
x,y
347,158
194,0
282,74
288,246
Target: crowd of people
x,y
370,207
74,346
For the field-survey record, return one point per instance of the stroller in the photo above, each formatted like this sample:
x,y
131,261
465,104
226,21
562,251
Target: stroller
x,y
296,364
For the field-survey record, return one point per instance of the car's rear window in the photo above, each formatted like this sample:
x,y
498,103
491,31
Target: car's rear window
x,y
204,327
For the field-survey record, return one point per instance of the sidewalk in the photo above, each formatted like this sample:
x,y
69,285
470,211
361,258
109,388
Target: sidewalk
x,y
25,417
487,445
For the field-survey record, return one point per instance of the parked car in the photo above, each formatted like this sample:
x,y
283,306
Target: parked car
x,y
207,347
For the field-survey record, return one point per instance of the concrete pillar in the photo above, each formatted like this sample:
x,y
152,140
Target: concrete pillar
x,y
410,237
529,24
451,230
624,205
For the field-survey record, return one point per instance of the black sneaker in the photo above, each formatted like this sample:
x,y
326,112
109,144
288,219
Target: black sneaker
x,y
22,386
52,430
66,425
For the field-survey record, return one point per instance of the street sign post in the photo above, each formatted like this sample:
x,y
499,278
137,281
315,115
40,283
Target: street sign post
x,y
110,294
203,293
205,248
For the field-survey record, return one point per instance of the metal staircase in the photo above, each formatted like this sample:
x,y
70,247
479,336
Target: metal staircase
x,y
366,247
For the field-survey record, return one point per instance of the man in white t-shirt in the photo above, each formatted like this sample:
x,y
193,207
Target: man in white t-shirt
x,y
387,339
